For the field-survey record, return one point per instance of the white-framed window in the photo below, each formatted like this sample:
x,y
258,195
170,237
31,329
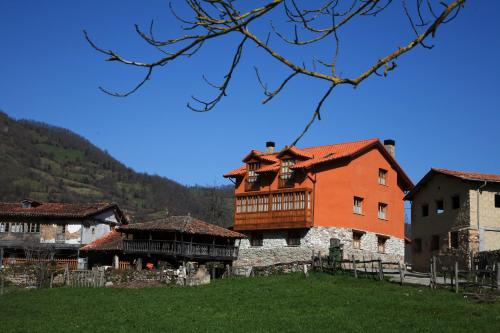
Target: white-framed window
x,y
4,227
251,174
286,172
17,227
382,211
357,207
382,176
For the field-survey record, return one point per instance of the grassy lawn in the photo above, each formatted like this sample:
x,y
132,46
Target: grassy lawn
x,y
284,303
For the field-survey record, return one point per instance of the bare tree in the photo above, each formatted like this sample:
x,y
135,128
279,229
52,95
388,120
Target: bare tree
x,y
39,258
311,21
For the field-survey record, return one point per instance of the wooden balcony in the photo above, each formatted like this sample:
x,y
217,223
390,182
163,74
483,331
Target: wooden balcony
x,y
252,186
181,249
290,215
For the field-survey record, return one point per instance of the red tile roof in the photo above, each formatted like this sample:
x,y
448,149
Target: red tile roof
x,y
112,241
236,172
316,155
464,175
182,224
55,210
470,175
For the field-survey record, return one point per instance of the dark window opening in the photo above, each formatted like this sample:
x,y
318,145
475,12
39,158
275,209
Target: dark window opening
x,y
256,239
425,210
497,200
293,238
455,202
454,239
417,245
381,244
439,206
356,239
435,243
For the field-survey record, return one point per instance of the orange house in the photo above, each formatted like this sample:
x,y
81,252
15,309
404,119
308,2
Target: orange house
x,y
294,201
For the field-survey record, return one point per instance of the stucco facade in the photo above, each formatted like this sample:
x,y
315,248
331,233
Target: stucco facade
x,y
449,224
332,179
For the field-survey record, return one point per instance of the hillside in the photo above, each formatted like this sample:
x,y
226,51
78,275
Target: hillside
x,y
49,163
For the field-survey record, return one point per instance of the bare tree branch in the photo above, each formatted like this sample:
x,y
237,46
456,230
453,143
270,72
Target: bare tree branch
x,y
321,21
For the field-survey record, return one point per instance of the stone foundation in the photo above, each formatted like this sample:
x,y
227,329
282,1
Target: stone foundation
x,y
275,250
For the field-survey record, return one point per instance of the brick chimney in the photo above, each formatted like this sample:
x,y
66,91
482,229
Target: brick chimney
x,y
270,147
390,146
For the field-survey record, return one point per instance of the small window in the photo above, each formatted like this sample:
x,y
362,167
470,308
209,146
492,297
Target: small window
x,y
4,227
356,239
454,239
425,210
435,243
286,172
382,177
60,233
358,205
455,202
252,175
497,200
381,244
439,206
417,245
293,238
256,239
382,211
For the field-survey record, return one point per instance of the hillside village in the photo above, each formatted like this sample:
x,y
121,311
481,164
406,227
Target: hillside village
x,y
249,166
290,205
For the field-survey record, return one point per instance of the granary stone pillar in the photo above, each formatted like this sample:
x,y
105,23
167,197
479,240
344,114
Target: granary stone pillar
x,y
116,262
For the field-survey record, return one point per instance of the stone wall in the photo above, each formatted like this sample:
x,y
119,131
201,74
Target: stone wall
x,y
275,249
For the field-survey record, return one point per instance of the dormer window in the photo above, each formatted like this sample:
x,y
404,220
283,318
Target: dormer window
x,y
286,172
252,175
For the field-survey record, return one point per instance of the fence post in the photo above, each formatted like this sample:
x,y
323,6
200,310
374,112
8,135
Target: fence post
x,y
456,277
354,266
498,276
401,274
66,274
320,261
380,270
1,258
1,284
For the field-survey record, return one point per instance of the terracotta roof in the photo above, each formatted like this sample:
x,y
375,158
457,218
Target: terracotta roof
x,y
269,168
182,224
295,151
474,176
112,241
236,172
55,210
464,175
321,154
328,153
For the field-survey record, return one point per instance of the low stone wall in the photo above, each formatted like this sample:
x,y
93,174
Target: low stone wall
x,y
26,276
276,251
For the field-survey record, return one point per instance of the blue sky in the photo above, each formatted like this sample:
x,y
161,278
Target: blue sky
x,y
440,105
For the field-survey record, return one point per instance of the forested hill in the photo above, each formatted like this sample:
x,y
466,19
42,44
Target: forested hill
x,y
49,163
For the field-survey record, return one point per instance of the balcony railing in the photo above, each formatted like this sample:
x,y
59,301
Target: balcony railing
x,y
282,209
252,186
181,249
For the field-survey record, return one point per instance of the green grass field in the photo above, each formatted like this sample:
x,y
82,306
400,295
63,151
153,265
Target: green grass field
x,y
284,303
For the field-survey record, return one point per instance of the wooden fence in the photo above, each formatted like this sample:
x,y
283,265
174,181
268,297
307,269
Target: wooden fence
x,y
124,265
439,276
60,263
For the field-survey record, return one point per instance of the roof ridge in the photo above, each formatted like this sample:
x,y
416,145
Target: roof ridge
x,y
341,143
